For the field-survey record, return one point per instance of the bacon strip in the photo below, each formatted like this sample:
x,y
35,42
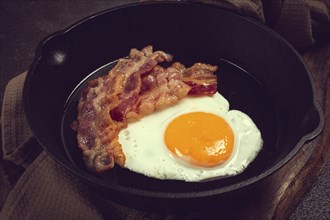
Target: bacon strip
x,y
201,78
135,87
164,87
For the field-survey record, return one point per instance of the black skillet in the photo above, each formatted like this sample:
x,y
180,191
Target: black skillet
x,y
259,73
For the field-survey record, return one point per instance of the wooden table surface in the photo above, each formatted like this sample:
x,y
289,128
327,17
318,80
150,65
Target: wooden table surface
x,y
280,193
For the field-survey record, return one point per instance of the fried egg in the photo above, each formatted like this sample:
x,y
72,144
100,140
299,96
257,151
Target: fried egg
x,y
196,139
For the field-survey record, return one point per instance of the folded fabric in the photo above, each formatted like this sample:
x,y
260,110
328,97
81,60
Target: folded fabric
x,y
300,22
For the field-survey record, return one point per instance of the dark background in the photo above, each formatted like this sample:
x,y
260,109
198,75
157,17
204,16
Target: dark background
x,y
23,24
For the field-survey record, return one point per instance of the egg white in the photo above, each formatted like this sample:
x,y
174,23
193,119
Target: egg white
x,y
146,153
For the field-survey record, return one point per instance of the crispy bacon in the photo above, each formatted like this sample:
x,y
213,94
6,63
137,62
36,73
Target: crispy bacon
x,y
200,77
135,87
165,87
143,61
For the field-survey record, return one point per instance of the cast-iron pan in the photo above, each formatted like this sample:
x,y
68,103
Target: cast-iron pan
x,y
259,73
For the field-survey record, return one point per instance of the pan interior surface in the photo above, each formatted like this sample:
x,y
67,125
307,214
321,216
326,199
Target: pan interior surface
x,y
242,90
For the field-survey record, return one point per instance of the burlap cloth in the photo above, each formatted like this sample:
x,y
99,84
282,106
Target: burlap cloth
x,y
45,190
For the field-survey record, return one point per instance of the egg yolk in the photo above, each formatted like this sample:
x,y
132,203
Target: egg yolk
x,y
201,138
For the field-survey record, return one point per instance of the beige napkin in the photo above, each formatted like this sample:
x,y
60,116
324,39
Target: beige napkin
x,y
299,21
45,190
